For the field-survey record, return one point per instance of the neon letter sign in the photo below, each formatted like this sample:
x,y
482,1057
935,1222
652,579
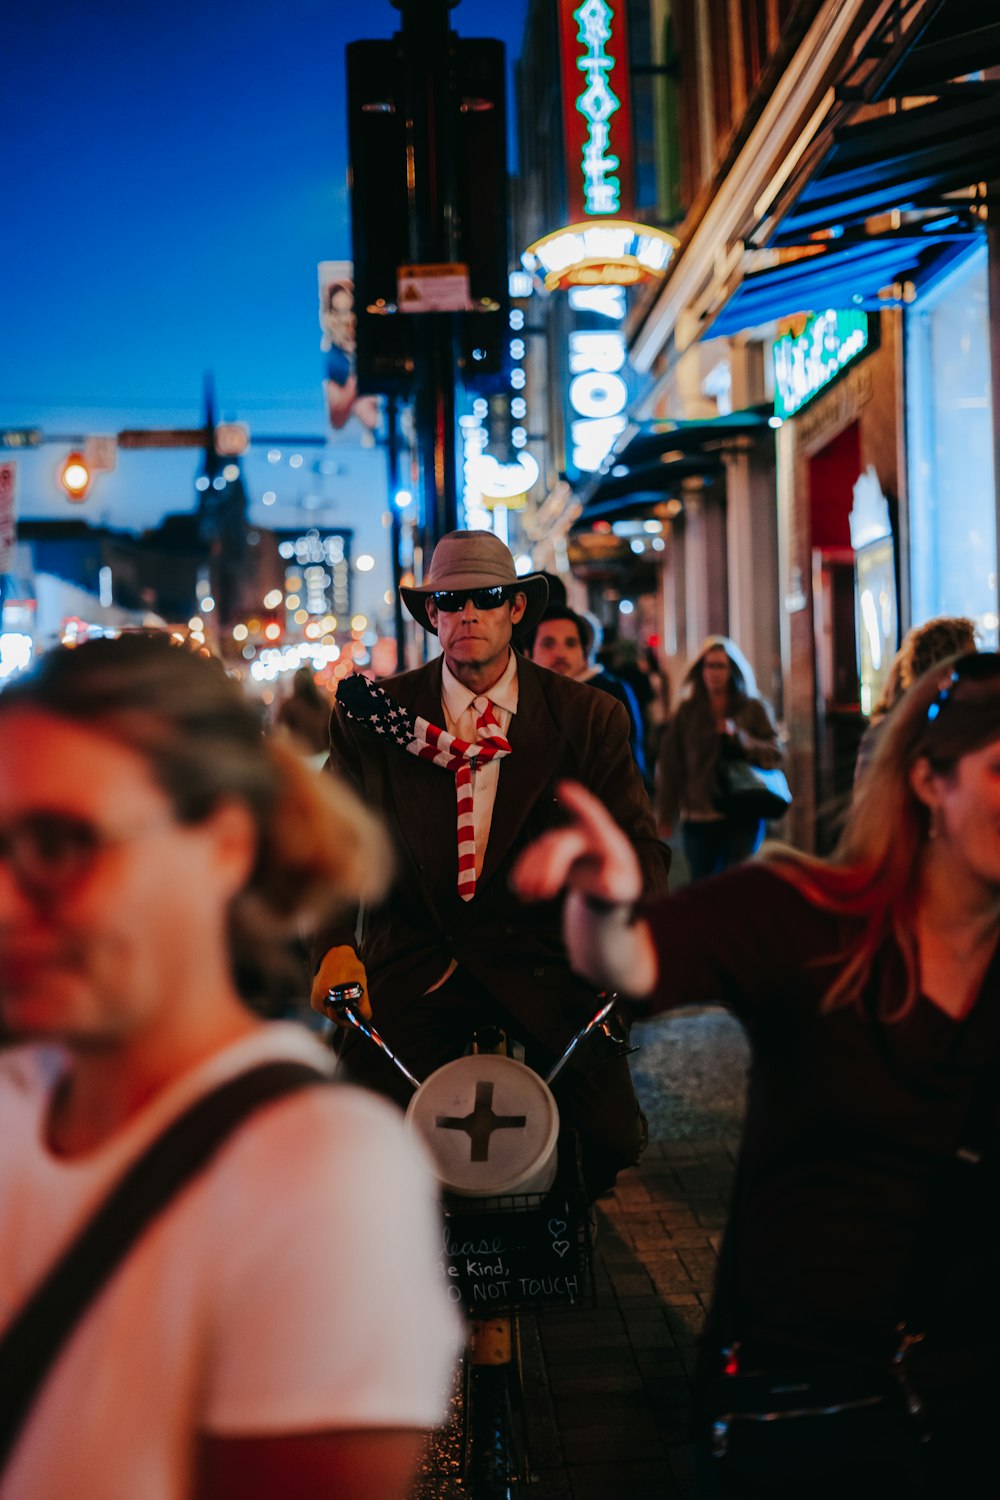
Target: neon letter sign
x,y
597,103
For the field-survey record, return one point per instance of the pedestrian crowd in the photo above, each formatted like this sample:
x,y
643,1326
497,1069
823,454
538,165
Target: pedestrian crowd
x,y
219,1272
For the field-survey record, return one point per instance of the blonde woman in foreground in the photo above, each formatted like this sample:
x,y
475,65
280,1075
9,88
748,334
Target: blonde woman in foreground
x,y
279,1328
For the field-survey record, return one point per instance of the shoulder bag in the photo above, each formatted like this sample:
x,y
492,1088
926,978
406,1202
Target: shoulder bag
x,y
746,791
33,1340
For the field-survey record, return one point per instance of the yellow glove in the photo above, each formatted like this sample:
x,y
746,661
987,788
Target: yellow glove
x,y
340,966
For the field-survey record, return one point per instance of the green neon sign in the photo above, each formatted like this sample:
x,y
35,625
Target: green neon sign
x,y
806,363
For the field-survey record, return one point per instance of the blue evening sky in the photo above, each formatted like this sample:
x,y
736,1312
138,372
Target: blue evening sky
x,y
171,174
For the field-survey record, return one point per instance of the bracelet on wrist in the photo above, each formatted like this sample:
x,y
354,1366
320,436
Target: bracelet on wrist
x,y
602,908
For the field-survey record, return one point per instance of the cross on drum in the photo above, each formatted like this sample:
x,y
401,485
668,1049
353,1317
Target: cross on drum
x,y
481,1123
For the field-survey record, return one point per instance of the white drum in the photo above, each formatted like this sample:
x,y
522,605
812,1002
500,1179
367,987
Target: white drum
x,y
491,1125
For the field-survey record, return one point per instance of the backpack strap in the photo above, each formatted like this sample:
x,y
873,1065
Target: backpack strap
x,y
37,1334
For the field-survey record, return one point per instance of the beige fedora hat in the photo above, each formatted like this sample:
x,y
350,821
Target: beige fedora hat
x,y
474,560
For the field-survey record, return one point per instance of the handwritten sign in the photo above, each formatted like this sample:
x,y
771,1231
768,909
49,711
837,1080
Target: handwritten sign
x,y
532,1257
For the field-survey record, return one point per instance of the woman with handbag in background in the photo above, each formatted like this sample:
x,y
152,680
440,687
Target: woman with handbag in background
x,y
721,720
852,1345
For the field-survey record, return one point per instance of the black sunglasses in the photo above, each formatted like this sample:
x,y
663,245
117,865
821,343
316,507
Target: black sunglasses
x,y
452,600
977,666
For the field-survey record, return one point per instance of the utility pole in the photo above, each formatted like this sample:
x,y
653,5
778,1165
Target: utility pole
x,y
392,456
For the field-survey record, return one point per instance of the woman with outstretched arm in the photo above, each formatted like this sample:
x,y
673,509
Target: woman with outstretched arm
x,y
857,1314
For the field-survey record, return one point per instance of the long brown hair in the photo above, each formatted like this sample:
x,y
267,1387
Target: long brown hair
x,y
317,846
874,872
742,683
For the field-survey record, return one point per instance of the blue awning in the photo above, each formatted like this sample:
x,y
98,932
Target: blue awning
x,y
906,161
844,275
654,463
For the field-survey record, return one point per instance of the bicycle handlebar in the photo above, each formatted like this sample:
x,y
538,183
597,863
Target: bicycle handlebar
x,y
339,1002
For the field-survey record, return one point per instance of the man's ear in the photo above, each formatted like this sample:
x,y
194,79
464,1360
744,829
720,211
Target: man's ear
x,y
518,607
432,612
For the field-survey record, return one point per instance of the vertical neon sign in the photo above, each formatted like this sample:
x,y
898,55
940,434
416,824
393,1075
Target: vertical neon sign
x,y
596,113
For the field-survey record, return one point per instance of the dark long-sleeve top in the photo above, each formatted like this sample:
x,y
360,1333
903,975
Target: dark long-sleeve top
x,y
690,751
849,1117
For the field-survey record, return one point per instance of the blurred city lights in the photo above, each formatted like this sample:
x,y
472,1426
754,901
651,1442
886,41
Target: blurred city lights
x,y
365,563
240,632
272,599
359,622
268,497
207,605
403,498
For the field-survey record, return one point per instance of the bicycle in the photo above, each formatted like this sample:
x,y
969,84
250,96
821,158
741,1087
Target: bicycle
x,y
504,1253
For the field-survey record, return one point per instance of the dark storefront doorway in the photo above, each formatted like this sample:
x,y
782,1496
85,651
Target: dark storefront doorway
x,y
833,471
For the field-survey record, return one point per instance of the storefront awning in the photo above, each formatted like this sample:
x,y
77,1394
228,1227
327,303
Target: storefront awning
x,y
881,200
842,275
906,161
655,462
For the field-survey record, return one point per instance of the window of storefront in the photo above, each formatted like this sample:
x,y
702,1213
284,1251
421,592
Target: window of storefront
x,y
952,503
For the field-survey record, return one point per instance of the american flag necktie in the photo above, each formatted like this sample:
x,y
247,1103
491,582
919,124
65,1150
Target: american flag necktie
x,y
366,704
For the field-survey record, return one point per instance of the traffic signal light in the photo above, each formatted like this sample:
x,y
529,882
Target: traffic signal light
x,y
75,476
412,172
377,127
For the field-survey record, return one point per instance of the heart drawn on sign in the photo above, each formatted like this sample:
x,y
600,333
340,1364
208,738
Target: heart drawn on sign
x,y
560,1247
557,1227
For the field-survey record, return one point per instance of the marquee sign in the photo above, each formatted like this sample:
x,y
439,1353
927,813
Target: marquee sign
x,y
596,111
615,253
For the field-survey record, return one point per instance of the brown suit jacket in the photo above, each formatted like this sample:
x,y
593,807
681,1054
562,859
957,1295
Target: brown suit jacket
x,y
562,729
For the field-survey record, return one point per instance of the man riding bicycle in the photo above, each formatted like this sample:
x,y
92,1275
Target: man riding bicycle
x,y
461,757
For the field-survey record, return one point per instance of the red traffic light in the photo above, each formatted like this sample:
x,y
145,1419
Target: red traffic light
x,y
75,476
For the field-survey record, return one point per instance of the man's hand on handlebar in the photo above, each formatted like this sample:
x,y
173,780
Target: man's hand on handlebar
x,y
340,966
591,855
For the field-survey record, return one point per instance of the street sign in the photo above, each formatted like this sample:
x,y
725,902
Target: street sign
x,y
231,439
162,437
20,437
8,514
101,454
433,288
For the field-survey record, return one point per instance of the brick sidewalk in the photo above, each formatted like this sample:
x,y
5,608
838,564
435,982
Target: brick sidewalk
x,y
618,1377
608,1387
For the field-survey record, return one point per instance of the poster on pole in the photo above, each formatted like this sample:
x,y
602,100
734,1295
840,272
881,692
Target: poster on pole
x,y
8,514
339,344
